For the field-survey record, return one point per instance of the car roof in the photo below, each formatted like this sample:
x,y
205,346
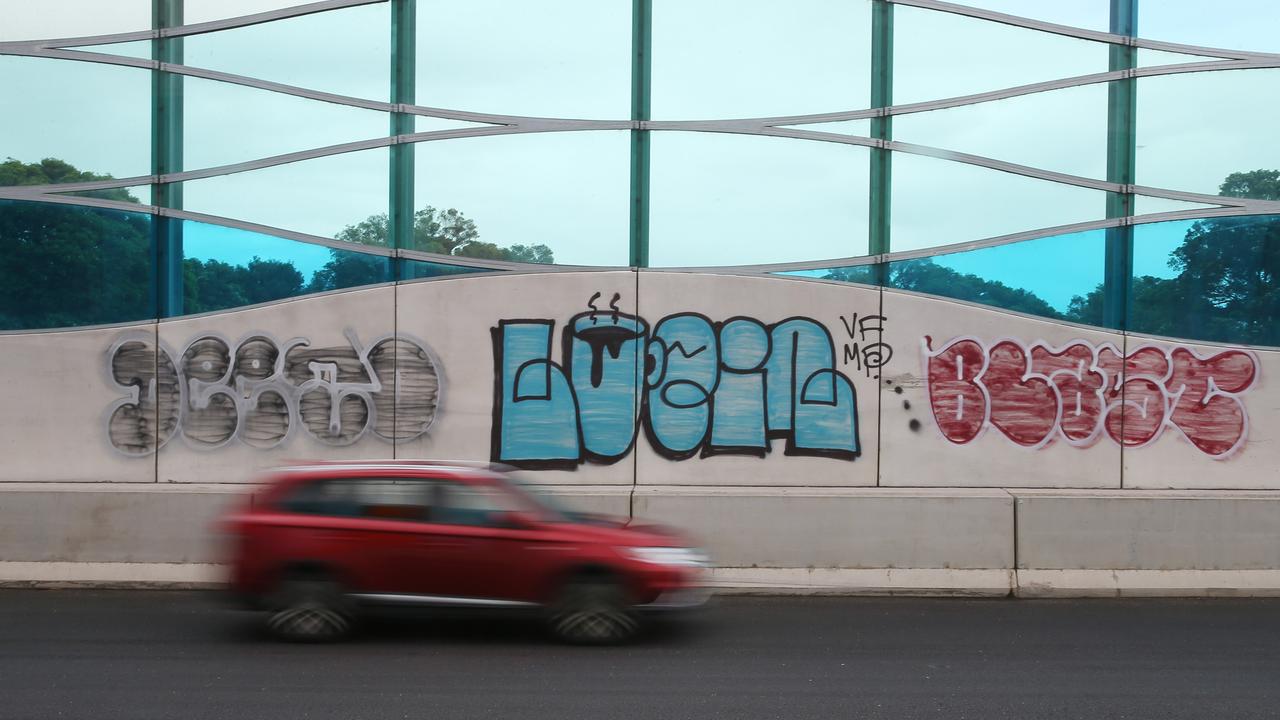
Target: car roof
x,y
408,468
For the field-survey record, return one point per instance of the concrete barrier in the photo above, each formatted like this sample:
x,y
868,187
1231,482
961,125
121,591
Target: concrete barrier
x,y
1148,542
919,541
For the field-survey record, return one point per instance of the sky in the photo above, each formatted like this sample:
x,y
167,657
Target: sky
x,y
716,198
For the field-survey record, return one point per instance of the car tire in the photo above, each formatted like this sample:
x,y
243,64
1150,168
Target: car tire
x,y
593,610
308,607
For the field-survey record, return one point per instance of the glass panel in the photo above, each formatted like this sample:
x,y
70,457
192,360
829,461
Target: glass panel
x,y
1017,277
938,202
423,123
552,197
136,49
226,267
420,269
329,196
720,199
863,274
941,55
344,51
135,194
1197,129
71,18
198,11
1214,279
64,265
761,58
1235,24
227,123
843,127
1152,58
558,58
1061,130
1145,205
79,121
1088,14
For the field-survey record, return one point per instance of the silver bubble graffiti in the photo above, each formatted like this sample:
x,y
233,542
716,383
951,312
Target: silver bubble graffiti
x,y
262,392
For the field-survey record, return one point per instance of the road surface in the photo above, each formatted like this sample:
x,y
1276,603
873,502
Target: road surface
x,y
166,654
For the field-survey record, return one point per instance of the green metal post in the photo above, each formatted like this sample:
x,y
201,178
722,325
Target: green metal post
x,y
881,129
1121,167
166,157
403,65
641,71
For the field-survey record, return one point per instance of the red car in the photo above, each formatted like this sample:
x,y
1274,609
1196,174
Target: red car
x,y
320,540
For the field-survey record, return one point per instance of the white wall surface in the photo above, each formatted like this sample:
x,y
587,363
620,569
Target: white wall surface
x,y
61,391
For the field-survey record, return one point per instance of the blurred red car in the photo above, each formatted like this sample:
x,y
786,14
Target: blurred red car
x,y
319,541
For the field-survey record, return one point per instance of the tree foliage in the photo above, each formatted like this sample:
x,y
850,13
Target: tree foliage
x,y
1255,184
51,171
447,232
926,276
214,285
1226,287
64,265
1226,284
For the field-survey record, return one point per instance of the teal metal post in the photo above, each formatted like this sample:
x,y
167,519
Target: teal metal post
x,y
1121,167
641,71
166,157
403,79
881,129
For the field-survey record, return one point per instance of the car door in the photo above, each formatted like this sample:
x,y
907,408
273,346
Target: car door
x,y
395,539
471,552
324,523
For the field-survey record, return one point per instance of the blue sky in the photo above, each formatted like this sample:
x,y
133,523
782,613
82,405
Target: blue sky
x,y
237,247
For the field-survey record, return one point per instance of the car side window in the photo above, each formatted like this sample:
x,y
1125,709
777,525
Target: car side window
x,y
384,498
472,504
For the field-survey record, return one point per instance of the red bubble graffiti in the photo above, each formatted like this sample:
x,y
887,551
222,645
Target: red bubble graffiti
x,y
1034,394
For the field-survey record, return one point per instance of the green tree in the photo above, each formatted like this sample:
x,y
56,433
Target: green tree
x,y
926,276
1227,272
1256,184
50,171
530,254
349,269
215,285
447,232
64,265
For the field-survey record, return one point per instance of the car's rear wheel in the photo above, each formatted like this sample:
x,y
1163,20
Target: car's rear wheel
x,y
593,610
309,607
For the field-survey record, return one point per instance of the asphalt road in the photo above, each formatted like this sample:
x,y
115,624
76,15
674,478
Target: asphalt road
x,y
118,654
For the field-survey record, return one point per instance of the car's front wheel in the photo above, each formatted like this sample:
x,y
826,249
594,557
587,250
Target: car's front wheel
x,y
308,607
593,610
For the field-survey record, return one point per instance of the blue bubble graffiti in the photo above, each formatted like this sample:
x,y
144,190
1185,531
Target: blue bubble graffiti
x,y
694,386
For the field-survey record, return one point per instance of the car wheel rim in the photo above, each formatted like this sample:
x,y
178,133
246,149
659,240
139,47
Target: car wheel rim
x,y
594,614
595,624
308,620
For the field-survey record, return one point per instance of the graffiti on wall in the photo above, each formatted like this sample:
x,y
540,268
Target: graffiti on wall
x,y
695,386
1034,394
260,391
865,346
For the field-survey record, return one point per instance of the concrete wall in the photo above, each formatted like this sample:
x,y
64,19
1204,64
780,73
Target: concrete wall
x,y
914,444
